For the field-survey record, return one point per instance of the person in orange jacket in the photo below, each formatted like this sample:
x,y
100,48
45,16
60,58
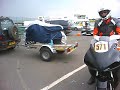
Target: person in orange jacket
x,y
105,26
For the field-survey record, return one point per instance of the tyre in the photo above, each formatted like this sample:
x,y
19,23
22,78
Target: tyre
x,y
105,88
101,88
110,87
101,85
46,54
13,32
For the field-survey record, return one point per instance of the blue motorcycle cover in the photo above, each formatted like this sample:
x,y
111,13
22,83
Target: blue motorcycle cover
x,y
43,34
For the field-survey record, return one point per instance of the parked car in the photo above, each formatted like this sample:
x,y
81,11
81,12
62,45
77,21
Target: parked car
x,y
9,36
65,23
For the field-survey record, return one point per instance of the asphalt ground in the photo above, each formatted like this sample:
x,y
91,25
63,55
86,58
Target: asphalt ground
x,y
22,68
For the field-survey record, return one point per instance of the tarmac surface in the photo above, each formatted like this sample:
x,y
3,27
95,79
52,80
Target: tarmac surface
x,y
22,69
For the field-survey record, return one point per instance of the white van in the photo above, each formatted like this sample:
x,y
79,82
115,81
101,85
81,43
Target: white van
x,y
78,24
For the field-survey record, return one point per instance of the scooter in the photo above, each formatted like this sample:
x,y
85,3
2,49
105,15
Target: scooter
x,y
103,57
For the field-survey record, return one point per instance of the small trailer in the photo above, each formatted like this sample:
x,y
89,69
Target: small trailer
x,y
47,51
48,39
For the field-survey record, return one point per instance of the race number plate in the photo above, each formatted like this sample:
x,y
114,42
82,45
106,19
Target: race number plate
x,y
101,46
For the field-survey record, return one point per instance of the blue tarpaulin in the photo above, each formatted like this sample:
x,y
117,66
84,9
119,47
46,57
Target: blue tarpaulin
x,y
43,34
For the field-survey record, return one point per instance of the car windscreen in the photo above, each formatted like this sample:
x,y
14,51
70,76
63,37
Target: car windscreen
x,y
5,24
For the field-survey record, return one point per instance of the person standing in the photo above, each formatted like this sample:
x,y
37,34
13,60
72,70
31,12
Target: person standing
x,y
106,25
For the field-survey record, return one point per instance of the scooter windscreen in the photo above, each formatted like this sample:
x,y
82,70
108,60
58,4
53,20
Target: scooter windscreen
x,y
101,60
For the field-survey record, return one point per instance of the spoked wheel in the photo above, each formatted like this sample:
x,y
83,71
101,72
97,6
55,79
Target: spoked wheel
x,y
46,54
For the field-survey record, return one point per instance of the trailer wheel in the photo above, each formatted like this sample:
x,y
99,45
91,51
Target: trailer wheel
x,y
45,54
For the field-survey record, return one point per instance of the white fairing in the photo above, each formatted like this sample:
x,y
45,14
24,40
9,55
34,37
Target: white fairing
x,y
96,37
103,43
101,46
112,37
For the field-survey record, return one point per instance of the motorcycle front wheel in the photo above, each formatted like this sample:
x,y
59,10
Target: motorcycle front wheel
x,y
110,87
97,88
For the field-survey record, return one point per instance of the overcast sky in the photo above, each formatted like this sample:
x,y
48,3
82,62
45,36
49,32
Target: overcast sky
x,y
35,8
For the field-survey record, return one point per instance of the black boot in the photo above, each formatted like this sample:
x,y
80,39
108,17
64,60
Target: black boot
x,y
91,81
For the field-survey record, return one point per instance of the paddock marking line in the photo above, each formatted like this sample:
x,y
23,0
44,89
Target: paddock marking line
x,y
63,78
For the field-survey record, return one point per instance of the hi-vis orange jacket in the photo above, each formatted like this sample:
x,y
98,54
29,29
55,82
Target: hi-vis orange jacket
x,y
107,27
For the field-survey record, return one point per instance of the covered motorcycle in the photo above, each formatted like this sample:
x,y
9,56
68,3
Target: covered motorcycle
x,y
43,33
103,57
49,39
